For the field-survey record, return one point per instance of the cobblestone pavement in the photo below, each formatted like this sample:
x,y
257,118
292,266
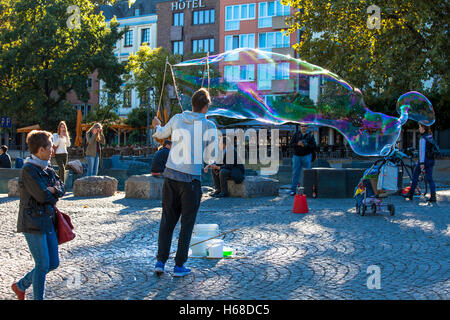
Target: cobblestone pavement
x,y
324,254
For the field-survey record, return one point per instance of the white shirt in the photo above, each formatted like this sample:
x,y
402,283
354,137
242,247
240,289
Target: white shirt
x,y
62,142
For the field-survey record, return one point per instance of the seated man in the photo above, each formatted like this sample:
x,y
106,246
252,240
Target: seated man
x,y
5,159
160,159
221,173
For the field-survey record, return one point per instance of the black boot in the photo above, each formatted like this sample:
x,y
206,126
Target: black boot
x,y
432,198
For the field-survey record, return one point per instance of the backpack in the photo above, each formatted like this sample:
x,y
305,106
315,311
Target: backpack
x,y
431,148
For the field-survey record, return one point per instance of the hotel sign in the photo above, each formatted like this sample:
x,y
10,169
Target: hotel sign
x,y
189,4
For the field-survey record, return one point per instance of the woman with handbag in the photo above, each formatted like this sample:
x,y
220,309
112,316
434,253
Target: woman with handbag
x,y
61,141
40,189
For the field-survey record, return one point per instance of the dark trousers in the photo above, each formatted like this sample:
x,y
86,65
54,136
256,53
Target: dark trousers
x,y
178,199
61,161
220,180
429,165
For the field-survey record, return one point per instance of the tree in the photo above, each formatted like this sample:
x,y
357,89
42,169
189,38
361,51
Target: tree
x,y
43,56
410,47
147,72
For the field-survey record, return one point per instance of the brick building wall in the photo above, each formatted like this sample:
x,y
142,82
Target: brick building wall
x,y
169,29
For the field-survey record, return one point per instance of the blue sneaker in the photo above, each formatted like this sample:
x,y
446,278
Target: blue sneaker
x,y
180,271
159,267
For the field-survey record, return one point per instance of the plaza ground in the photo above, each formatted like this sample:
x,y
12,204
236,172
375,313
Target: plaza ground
x,y
324,254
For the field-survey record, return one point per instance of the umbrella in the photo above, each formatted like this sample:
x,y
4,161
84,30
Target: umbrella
x,y
79,138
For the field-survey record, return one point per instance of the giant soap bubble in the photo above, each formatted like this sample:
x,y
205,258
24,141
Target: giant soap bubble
x,y
276,89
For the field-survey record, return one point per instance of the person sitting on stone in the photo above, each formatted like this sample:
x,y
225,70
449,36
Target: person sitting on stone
x,y
234,170
5,159
160,159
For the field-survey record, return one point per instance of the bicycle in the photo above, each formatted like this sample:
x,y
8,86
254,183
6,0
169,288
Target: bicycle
x,y
396,156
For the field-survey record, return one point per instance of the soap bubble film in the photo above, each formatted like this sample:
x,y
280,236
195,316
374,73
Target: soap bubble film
x,y
276,89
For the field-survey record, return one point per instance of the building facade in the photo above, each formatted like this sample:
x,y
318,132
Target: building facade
x,y
141,21
188,27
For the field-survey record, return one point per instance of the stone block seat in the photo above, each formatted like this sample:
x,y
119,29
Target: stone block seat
x,y
7,174
13,188
253,187
144,187
95,186
332,182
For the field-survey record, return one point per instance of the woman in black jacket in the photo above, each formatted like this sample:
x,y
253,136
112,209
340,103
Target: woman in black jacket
x,y
40,189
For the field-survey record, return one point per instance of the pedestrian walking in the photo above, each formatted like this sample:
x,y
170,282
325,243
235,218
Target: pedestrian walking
x,y
304,146
94,139
425,163
182,177
61,141
40,189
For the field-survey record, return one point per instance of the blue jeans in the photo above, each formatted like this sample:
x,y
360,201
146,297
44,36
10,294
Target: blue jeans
x,y
299,163
92,162
429,165
44,249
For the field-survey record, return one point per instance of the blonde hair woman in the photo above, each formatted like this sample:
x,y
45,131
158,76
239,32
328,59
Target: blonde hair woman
x,y
61,140
95,139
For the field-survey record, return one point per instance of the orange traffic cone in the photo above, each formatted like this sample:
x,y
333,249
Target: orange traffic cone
x,y
300,205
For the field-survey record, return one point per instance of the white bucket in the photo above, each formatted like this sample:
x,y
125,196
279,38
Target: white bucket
x,y
199,249
210,230
215,248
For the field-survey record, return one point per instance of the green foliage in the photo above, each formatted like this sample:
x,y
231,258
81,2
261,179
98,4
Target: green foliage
x,y
146,73
106,112
42,59
409,49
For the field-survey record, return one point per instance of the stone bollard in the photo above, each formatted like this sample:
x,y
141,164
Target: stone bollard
x,y
95,186
13,188
254,186
144,187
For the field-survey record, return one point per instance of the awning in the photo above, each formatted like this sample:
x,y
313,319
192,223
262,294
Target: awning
x,y
28,129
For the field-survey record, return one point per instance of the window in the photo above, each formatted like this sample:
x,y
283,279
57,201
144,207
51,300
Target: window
x,y
178,19
89,83
177,47
144,99
282,10
270,40
272,71
127,99
239,41
267,10
235,14
266,73
137,12
238,73
203,17
129,39
203,45
145,36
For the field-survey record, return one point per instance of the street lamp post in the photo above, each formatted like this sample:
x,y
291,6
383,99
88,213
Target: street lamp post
x,y
150,96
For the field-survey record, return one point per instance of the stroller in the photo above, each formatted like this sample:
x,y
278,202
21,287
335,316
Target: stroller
x,y
376,186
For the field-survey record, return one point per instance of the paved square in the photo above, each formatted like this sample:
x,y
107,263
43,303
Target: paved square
x,y
324,254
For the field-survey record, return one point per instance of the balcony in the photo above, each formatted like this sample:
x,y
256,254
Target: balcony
x,y
285,51
176,33
283,86
279,22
